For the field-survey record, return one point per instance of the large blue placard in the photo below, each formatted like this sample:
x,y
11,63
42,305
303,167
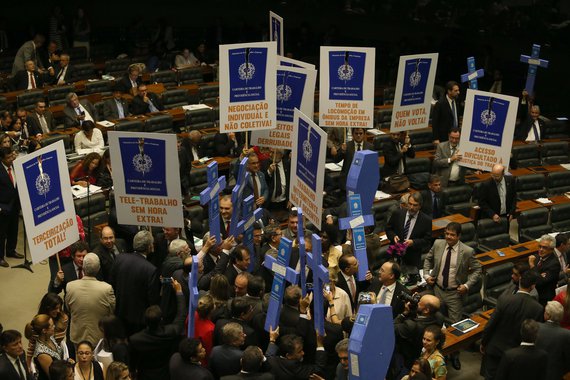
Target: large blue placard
x,y
193,301
489,117
320,277
44,186
276,33
144,165
308,157
278,287
247,68
346,75
290,88
210,195
416,75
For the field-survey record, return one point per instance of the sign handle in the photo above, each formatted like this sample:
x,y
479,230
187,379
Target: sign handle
x,y
58,262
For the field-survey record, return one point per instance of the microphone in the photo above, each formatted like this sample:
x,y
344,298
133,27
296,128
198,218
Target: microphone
x,y
84,178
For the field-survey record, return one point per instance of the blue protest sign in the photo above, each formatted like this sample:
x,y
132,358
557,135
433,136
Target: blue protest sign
x,y
371,342
46,199
489,118
193,301
237,196
245,226
308,148
290,88
276,27
291,275
416,73
302,251
210,195
472,74
363,177
144,165
247,73
320,277
534,62
278,286
346,75
356,221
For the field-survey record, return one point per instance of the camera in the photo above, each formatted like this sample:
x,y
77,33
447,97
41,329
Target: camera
x,y
413,299
166,280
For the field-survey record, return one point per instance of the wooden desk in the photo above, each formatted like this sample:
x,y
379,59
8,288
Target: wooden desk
x,y
472,179
512,253
426,154
223,163
438,225
487,314
556,200
455,343
525,205
546,169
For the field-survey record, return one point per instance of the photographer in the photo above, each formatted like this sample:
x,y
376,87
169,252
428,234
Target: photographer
x,y
419,312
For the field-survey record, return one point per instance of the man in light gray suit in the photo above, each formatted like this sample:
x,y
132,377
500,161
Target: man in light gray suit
x,y
28,52
452,269
555,340
446,161
88,300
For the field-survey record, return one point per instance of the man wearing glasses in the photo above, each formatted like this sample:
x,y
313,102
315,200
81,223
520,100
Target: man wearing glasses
x,y
546,265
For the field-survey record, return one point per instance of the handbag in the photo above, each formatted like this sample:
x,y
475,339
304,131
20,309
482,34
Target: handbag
x,y
397,183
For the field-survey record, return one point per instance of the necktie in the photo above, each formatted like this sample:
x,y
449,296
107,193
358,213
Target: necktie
x,y
32,81
59,75
255,187
352,288
383,294
278,190
446,266
78,110
120,110
435,207
454,110
539,265
10,174
227,228
80,273
20,366
151,106
535,129
407,227
358,147
43,123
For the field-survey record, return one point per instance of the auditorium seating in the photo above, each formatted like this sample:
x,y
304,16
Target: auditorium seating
x,y
530,186
457,200
492,235
166,77
421,139
525,156
129,126
418,171
469,235
555,153
560,217
199,119
496,279
50,139
174,98
159,123
209,93
382,118
28,99
533,224
389,93
198,180
117,67
92,211
382,212
558,183
84,71
56,95
104,87
190,75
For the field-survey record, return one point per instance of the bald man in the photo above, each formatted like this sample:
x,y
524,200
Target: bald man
x,y
498,197
107,250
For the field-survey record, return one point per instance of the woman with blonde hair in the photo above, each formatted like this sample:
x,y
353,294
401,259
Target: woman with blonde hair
x,y
118,371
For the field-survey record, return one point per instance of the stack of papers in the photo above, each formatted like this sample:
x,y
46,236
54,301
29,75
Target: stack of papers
x,y
192,107
375,132
81,192
382,195
106,123
334,167
544,201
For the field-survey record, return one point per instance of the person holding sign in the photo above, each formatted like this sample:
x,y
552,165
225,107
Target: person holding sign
x,y
348,149
447,159
9,207
395,153
498,195
445,114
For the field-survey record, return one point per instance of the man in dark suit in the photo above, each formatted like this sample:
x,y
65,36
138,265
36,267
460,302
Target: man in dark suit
x,y
9,207
225,358
64,72
289,315
193,144
185,364
525,361
555,340
42,119
290,365
252,361
532,128
445,114
348,266
13,363
412,227
395,154
131,80
239,262
547,268
72,270
77,111
503,329
498,195
446,160
241,313
278,175
28,79
145,102
108,249
387,287
152,348
347,151
136,283
431,198
116,107
228,144
257,185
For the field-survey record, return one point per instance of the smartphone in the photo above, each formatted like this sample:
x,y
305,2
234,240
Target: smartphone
x,y
501,253
166,280
328,288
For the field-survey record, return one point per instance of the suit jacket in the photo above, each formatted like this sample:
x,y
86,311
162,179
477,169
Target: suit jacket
x,y
251,336
286,369
522,130
225,147
20,80
489,198
348,156
392,157
442,118
124,84
181,370
69,274
503,329
88,300
139,107
396,303
151,349
523,362
25,53
68,76
9,200
442,166
70,116
421,235
409,333
427,204
547,278
111,110
136,285
8,372
34,121
555,340
107,258
225,360
271,179
360,287
250,376
468,269
263,189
